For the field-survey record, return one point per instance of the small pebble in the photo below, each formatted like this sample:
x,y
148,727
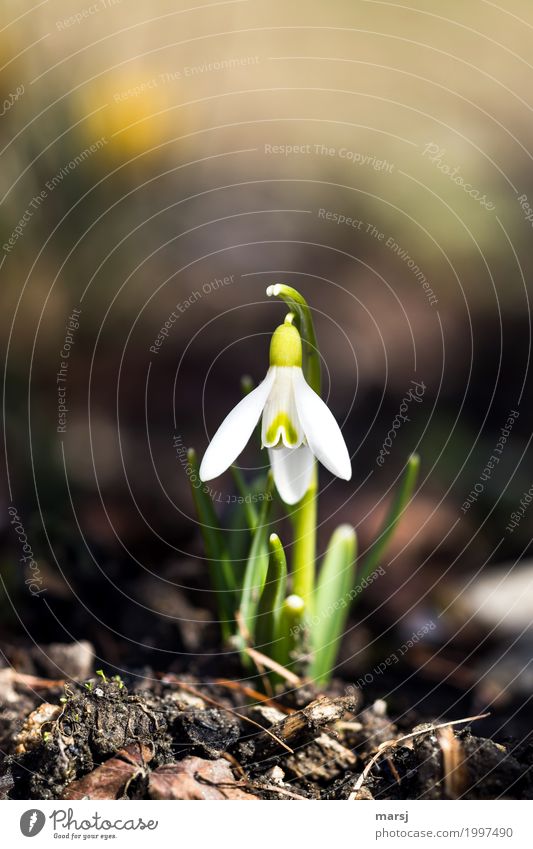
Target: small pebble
x,y
380,707
275,775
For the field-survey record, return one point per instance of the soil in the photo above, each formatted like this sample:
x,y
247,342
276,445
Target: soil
x,y
183,737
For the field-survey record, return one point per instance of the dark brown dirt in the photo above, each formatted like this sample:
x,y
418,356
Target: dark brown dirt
x,y
187,739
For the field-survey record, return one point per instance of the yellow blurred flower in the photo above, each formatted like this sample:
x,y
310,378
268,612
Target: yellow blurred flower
x,y
132,113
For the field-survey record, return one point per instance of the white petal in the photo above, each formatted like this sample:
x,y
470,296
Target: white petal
x,y
293,470
280,418
322,432
235,431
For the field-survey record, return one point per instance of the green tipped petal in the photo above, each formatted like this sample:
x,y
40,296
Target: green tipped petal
x,y
281,423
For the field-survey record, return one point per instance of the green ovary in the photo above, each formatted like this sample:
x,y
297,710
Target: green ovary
x,y
286,346
282,422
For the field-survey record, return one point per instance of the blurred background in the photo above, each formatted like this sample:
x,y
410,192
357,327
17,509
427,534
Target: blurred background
x,y
162,164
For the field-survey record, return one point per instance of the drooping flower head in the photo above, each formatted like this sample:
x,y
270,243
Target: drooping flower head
x,y
297,426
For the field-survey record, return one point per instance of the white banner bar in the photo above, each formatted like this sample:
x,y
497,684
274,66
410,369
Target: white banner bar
x,y
264,825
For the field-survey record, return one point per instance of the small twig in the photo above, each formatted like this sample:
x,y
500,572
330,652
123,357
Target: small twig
x,y
248,785
247,639
453,764
393,769
33,681
391,744
202,779
261,659
194,692
253,694
346,725
235,764
271,788
306,724
243,629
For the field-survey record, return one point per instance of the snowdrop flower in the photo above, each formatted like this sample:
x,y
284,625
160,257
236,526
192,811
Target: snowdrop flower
x,y
297,425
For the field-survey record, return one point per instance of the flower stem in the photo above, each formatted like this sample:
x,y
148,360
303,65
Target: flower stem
x,y
304,514
304,554
304,320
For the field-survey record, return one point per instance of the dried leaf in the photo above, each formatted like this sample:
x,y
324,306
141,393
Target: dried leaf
x,y
112,779
196,778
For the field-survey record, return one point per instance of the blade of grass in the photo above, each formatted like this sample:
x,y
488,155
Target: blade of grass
x,y
394,514
332,602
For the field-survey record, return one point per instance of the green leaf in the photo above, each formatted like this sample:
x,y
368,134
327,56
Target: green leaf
x,y
237,538
244,518
269,609
220,567
304,320
401,498
245,492
257,564
332,602
289,637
